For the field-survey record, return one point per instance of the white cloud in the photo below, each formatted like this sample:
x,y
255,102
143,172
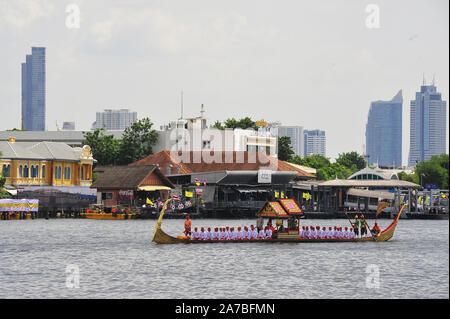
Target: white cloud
x,y
169,33
21,13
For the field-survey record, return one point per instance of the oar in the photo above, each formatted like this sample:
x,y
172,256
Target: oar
x,y
349,220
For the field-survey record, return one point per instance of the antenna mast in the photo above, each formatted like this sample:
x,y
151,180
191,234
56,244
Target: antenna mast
x,y
202,111
181,105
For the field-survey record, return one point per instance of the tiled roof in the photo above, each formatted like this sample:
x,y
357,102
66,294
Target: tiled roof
x,y
17,151
55,136
55,151
39,151
128,177
194,162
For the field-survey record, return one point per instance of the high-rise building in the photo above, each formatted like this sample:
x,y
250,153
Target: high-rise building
x,y
297,138
114,119
33,91
428,125
315,142
384,132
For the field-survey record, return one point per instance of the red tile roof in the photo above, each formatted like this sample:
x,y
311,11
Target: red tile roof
x,y
194,162
127,177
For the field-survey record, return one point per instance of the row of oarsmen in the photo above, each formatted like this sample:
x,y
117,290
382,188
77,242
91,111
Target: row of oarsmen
x,y
228,233
314,232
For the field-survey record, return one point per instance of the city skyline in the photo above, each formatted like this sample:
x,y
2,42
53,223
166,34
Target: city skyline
x,y
114,119
315,142
262,64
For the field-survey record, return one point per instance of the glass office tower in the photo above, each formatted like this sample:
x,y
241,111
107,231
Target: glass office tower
x,y
384,132
428,124
33,91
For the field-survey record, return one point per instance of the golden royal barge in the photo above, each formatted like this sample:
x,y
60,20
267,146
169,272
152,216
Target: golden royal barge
x,y
281,209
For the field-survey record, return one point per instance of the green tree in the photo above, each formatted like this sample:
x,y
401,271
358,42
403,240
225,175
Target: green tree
x,y
3,192
285,151
105,148
408,177
137,141
2,178
314,160
434,171
352,160
325,170
232,123
217,125
247,123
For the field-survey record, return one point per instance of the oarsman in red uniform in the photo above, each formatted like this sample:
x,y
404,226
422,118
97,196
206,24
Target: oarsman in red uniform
x,y
239,233
330,232
376,229
215,234
195,234
187,226
302,232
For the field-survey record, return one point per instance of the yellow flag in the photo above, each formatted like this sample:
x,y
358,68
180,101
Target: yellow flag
x,y
188,194
282,195
276,194
149,201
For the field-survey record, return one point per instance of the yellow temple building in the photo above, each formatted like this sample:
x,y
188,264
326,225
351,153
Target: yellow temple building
x,y
45,164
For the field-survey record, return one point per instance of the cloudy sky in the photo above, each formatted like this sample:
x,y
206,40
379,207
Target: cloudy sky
x,y
317,64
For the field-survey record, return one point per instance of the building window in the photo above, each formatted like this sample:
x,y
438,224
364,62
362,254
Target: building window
x,y
34,171
6,170
66,173
82,173
26,172
106,196
20,171
43,171
58,172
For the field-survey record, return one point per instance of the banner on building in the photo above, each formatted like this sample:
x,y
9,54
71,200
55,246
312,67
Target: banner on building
x,y
19,205
264,176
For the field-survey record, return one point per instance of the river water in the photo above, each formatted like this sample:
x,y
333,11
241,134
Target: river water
x,y
76,258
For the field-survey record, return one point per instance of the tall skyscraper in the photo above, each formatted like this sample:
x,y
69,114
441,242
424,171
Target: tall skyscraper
x,y
384,132
33,91
114,119
297,138
315,142
428,125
